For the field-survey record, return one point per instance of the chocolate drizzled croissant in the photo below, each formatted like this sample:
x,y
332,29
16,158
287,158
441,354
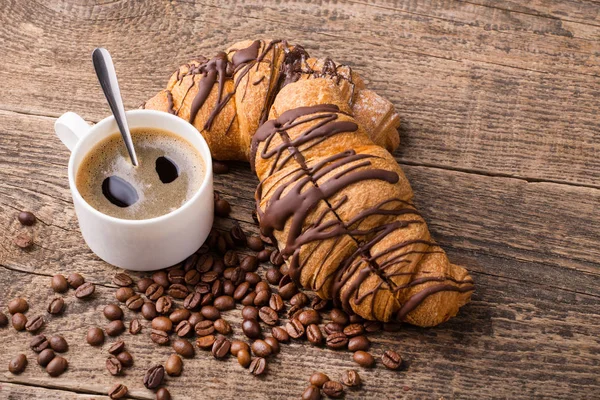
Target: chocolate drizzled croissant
x,y
330,194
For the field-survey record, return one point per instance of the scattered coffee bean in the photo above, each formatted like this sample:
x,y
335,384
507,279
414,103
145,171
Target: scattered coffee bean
x,y
192,301
56,306
113,312
113,365
274,343
238,235
249,312
249,264
299,300
237,345
318,304
354,330
241,291
183,348
258,366
222,208
75,280
359,343
260,348
19,321
255,244
231,258
142,284
174,365
332,327
210,312
295,328
135,326
122,279
59,283
181,314
276,258
117,391
154,377
262,297
162,323
249,299
58,344
363,359
318,379
222,326
57,366
45,357
273,276
308,317
95,336
314,335
206,342
251,328
115,328
178,291
17,364
124,293
125,358
135,302
34,324
333,389
149,311
224,303
339,316
294,311
311,393
276,302
268,316
220,167
26,218
221,347
154,291
337,340
229,287
195,317
209,277
183,328
288,290
391,360
18,305
164,305
204,328
192,277
39,343
280,334
243,357
116,347
85,290
163,394
159,337
205,263
161,278
351,378
176,276
23,240
356,319
3,320
189,263
264,255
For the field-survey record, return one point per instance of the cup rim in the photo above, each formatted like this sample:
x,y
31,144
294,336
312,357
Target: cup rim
x,y
133,222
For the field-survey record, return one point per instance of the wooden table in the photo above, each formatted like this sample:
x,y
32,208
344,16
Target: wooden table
x,y
500,139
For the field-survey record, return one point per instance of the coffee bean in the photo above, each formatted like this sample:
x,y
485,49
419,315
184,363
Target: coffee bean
x,y
351,378
294,311
58,344
222,208
23,240
276,258
86,290
241,291
264,255
183,348
220,167
255,244
192,301
178,291
243,357
228,288
249,264
135,302
237,345
204,328
95,336
135,326
249,312
59,283
354,330
318,379
18,305
56,306
19,321
221,347
238,276
295,328
258,366
122,279
337,340
288,291
299,299
210,312
359,343
125,358
154,377
268,316
75,280
206,342
189,263
372,326
39,343
274,343
142,284
174,365
34,324
57,366
333,389
224,303
318,304
261,348
163,394
356,319
274,276
251,328
339,316
26,218
149,311
45,357
194,318
192,277
222,326
262,298
363,359
238,235
314,335
207,300
3,320
391,360
116,347
311,393
309,317
164,305
17,364
113,312
162,323
115,328
205,263
332,327
159,337
280,334
183,328
124,293
179,315
176,276
154,291
231,258
117,391
276,302
209,277
161,278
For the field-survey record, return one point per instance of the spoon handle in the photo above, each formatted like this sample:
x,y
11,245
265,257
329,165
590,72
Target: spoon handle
x,y
105,70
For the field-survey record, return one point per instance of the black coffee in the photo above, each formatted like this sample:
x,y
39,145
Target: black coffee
x,y
170,170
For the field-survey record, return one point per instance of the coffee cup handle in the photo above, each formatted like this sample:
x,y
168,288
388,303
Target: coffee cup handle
x,y
69,128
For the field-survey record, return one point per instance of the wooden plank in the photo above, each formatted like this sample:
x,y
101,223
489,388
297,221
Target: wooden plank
x,y
26,392
467,106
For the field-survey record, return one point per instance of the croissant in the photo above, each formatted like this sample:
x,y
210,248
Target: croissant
x,y
330,193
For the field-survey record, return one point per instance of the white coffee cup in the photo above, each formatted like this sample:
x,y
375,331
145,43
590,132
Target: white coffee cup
x,y
148,244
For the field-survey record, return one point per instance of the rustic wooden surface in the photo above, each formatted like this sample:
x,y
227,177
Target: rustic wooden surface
x,y
500,138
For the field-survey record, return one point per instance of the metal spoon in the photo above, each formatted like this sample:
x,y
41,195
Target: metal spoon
x,y
105,70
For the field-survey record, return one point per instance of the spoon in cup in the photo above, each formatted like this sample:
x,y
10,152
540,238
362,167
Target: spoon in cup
x,y
105,71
